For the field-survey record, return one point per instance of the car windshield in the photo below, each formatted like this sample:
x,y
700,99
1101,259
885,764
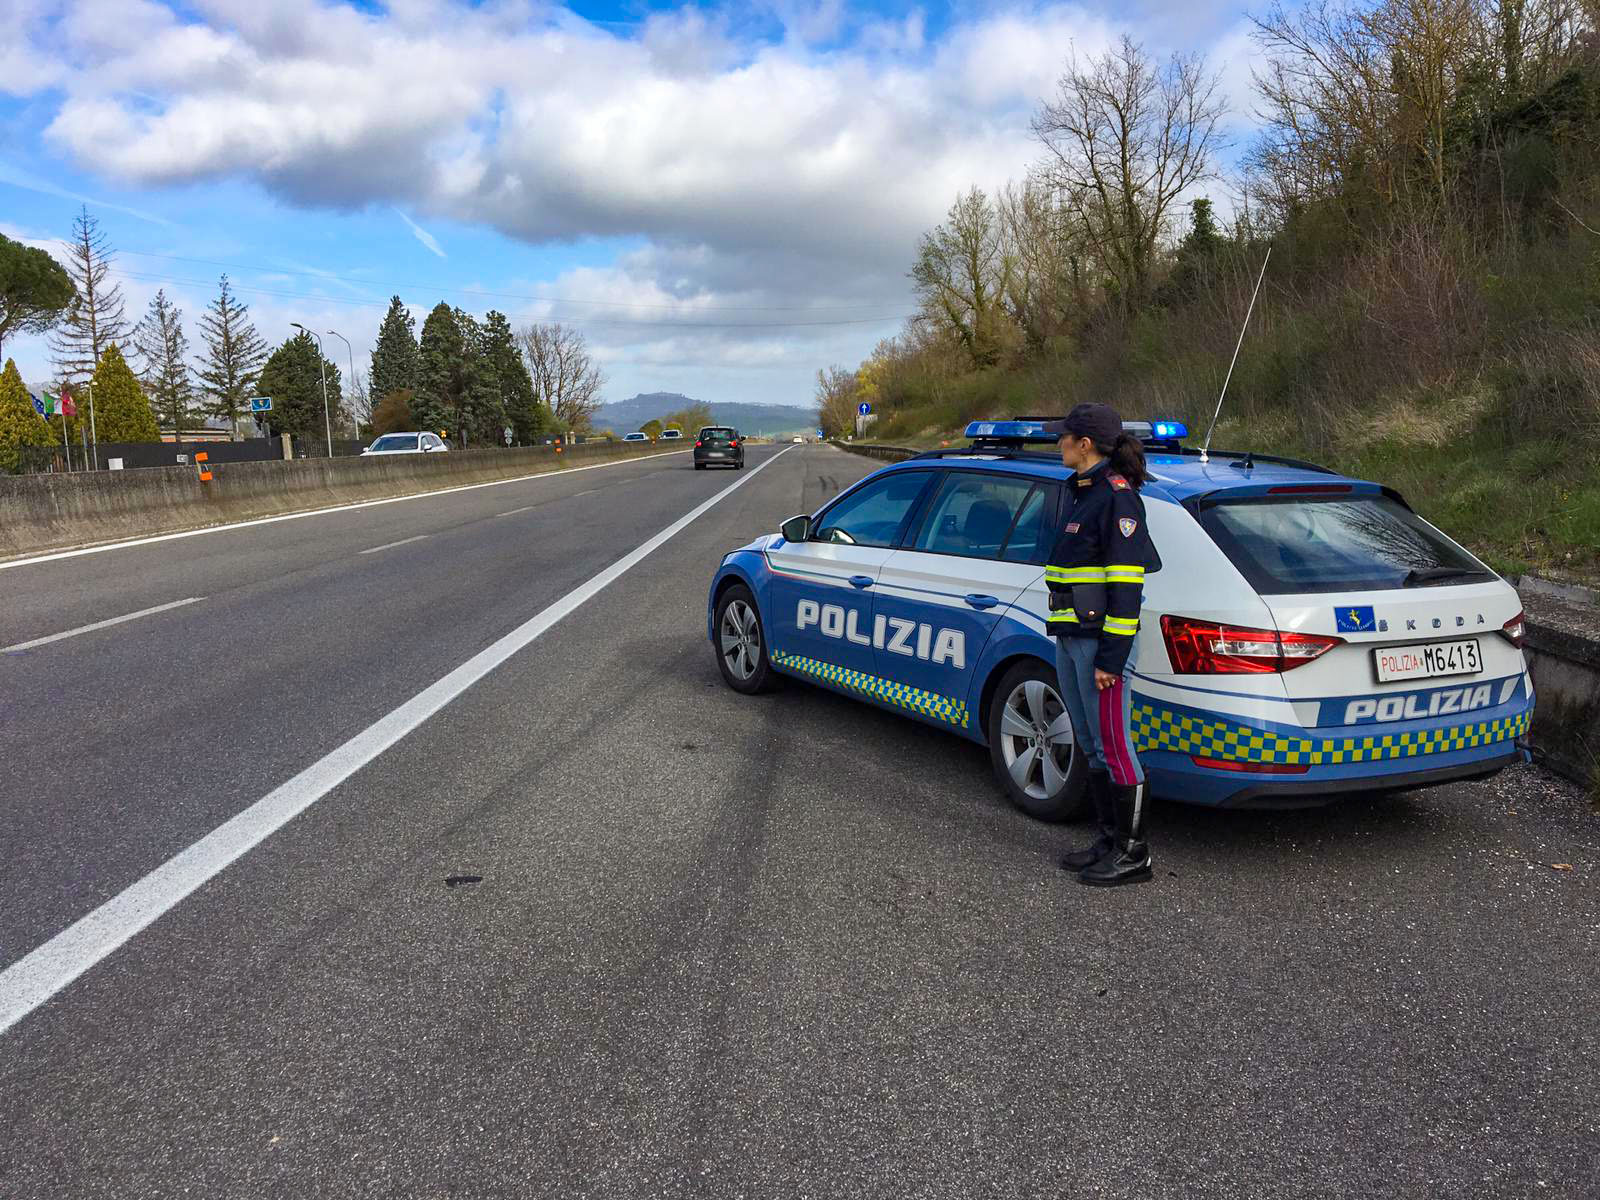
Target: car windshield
x,y
396,441
1286,545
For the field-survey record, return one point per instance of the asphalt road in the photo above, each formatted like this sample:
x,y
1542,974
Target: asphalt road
x,y
788,946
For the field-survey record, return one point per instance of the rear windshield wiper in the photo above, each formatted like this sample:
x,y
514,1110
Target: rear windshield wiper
x,y
1421,576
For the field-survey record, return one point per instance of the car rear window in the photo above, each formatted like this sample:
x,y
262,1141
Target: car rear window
x,y
1286,545
718,435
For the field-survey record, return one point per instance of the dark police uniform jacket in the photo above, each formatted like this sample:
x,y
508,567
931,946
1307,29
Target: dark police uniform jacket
x,y
1097,567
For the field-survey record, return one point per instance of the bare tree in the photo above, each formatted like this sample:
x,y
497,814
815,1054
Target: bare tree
x,y
565,378
1049,281
95,319
160,341
1126,138
836,401
962,275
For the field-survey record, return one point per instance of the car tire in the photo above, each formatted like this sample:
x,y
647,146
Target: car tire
x,y
750,670
1052,791
699,466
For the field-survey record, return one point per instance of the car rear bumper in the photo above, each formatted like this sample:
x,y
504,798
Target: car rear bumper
x,y
1312,793
723,460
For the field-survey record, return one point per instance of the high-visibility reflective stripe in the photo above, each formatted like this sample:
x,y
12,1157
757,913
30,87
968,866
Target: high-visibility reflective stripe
x,y
1064,614
1113,577
1128,621
1120,630
1075,574
1125,569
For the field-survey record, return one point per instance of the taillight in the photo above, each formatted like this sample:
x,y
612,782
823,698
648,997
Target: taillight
x,y
1208,648
1513,631
1254,768
734,445
697,445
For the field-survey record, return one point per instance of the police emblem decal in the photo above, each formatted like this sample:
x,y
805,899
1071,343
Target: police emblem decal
x,y
1357,619
1127,525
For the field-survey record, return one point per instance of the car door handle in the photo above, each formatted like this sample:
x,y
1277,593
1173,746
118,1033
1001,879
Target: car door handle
x,y
981,601
861,581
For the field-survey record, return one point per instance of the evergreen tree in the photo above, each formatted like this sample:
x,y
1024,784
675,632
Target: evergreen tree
x,y
94,320
161,343
234,354
442,373
394,358
514,386
34,289
483,413
20,423
121,411
293,378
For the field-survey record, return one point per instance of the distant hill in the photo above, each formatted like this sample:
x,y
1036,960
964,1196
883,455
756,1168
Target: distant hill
x,y
627,415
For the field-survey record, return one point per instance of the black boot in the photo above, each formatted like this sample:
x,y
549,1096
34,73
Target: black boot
x,y
1129,862
1099,788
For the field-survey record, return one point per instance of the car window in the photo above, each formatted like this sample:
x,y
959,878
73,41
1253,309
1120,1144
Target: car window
x,y
1290,544
972,514
1033,536
875,513
396,441
717,435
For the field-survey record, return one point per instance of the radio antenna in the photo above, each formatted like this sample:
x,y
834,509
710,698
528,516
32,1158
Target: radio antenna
x,y
1205,448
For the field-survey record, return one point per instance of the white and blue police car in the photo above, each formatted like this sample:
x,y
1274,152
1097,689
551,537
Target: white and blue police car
x,y
1307,635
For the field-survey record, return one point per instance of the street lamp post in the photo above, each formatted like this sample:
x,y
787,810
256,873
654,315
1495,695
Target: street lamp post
x,y
355,421
322,365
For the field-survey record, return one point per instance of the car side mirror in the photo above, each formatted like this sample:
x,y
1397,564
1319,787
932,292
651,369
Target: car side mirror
x,y
796,529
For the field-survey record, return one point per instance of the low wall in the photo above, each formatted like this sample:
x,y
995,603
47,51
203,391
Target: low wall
x,y
1563,652
40,513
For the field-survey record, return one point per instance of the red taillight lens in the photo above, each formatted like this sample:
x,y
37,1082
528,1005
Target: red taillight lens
x,y
733,445
1253,768
697,445
1208,648
1513,631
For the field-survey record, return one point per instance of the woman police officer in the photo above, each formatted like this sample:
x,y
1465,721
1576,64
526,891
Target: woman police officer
x,y
1096,581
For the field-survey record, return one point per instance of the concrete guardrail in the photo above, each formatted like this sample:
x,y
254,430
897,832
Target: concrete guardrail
x,y
41,513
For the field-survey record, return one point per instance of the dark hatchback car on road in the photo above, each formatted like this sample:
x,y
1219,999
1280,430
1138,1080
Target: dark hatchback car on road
x,y
718,446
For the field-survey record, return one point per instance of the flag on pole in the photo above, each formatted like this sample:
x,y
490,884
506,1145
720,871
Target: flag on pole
x,y
38,404
68,409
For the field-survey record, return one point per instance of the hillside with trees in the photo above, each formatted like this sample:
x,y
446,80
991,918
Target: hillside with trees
x,y
1426,179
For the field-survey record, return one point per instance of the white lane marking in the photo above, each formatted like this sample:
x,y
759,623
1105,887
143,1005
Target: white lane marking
x,y
56,637
515,511
590,492
556,473
45,970
392,545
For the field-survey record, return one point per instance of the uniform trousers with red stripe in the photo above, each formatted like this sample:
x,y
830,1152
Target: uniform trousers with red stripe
x,y
1102,720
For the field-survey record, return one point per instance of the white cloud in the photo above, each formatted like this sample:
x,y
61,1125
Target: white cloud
x,y
790,172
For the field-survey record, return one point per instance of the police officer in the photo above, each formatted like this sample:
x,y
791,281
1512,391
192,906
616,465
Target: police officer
x,y
1096,581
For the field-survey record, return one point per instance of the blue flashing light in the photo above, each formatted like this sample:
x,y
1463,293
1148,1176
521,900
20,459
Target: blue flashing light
x,y
1173,430
1020,431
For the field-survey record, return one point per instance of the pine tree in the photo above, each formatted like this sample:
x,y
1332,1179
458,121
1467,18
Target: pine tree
x,y
95,319
483,414
234,354
394,358
294,381
122,412
442,373
509,374
34,289
161,343
20,423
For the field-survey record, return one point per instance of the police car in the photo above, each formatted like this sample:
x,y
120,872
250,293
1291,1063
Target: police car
x,y
1307,634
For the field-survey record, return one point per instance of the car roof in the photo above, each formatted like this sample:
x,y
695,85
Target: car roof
x,y
1174,477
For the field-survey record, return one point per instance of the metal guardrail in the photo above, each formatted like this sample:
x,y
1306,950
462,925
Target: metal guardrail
x,y
876,450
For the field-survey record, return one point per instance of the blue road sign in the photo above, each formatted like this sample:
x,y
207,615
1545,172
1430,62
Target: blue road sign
x,y
863,408
260,403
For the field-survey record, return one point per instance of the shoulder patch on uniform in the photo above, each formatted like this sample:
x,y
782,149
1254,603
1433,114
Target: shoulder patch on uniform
x,y
1072,527
1127,525
1118,482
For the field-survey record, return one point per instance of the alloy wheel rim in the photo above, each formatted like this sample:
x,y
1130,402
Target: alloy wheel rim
x,y
740,636
1036,739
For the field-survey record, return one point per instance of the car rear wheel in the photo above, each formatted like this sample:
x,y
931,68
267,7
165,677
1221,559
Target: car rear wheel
x,y
1032,745
741,646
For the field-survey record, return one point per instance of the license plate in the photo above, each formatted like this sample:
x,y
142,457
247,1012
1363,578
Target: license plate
x,y
715,454
1427,660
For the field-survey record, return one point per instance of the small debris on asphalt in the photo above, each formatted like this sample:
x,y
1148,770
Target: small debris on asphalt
x,y
1561,866
451,881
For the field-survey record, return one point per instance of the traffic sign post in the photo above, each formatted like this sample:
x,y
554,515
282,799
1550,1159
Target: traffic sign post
x,y
863,408
508,434
260,404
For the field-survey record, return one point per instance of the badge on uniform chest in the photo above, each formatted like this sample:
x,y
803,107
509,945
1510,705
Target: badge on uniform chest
x,y
1072,527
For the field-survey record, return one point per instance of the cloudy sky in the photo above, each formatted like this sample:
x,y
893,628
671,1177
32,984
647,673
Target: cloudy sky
x,y
723,198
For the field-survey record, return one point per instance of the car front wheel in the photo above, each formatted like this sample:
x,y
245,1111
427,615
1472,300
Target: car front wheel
x,y
1032,745
741,646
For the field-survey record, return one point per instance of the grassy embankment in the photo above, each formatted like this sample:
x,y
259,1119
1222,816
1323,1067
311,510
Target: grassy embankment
x,y
1484,411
